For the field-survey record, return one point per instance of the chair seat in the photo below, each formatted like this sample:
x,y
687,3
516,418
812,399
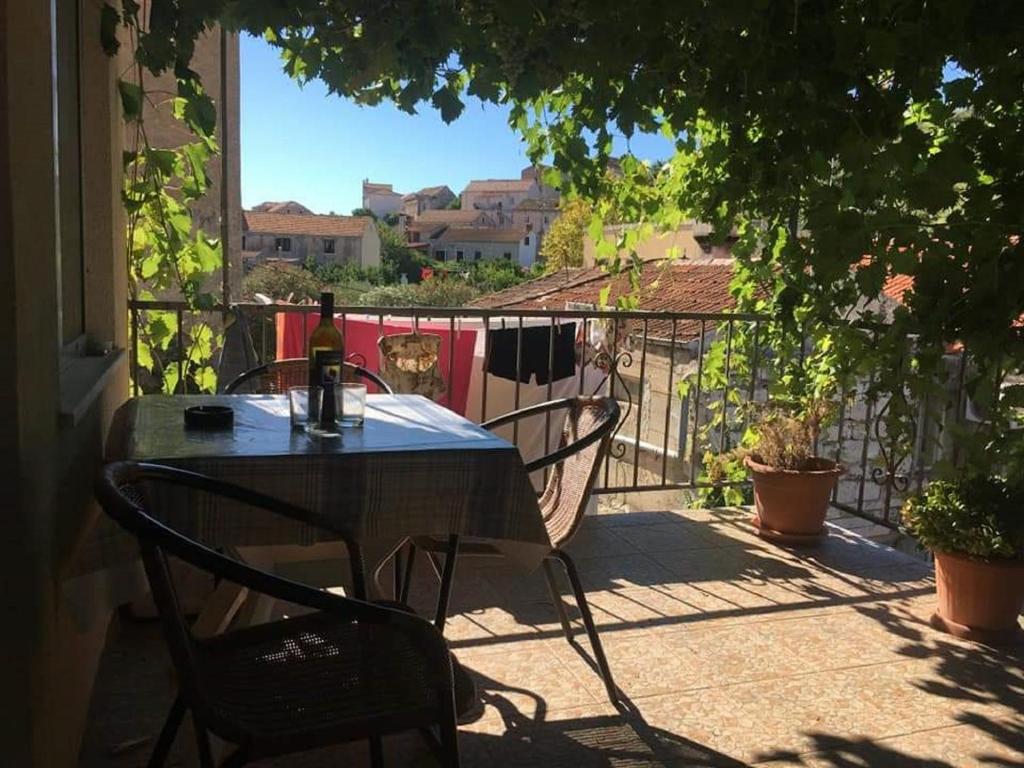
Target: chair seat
x,y
315,679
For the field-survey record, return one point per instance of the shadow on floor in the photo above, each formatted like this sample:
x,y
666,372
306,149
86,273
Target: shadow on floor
x,y
134,691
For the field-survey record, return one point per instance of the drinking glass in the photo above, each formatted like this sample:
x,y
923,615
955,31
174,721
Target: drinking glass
x,y
318,427
298,406
352,405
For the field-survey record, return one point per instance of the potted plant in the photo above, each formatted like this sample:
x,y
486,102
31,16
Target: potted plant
x,y
974,526
792,485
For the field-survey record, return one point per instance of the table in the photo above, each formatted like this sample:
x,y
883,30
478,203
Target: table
x,y
415,468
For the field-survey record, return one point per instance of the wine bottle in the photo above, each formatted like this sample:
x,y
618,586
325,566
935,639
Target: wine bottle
x,y
326,353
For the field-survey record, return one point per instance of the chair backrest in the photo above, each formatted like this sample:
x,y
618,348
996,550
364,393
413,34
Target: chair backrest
x,y
276,377
574,465
122,489
565,497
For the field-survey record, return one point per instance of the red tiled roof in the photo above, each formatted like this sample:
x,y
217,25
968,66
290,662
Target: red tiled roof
x,y
373,187
305,224
500,185
678,286
282,207
897,285
482,235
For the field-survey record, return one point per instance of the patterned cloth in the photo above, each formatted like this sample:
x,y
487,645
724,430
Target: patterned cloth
x,y
415,468
410,363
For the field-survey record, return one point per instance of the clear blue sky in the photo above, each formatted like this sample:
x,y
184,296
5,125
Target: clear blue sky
x,y
303,144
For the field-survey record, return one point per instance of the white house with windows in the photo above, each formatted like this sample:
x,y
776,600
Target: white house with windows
x,y
485,244
297,237
381,199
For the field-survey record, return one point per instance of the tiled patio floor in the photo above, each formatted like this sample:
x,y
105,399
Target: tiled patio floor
x,y
729,650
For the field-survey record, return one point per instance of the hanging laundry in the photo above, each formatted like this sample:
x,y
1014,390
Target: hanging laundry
x,y
536,353
410,363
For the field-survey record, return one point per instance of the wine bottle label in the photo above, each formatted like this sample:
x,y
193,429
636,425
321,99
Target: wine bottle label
x,y
327,363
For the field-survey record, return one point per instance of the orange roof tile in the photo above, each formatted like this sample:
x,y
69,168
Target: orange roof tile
x,y
678,286
500,185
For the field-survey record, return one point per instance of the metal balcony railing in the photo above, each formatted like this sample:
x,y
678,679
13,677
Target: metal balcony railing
x,y
665,431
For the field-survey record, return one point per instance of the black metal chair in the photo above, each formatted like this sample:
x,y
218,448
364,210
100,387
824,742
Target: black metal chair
x,y
276,377
573,469
349,671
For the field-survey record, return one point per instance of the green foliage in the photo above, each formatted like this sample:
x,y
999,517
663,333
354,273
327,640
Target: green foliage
x,y
167,253
563,243
397,258
818,133
364,212
283,282
429,293
348,272
979,516
485,276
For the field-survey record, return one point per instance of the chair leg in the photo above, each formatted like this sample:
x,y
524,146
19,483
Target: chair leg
x,y
588,622
445,592
449,732
398,577
236,759
556,598
403,596
167,734
203,744
376,752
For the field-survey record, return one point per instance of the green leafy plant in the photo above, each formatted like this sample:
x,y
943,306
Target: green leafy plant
x,y
168,255
781,436
839,150
397,258
429,293
787,438
972,515
282,282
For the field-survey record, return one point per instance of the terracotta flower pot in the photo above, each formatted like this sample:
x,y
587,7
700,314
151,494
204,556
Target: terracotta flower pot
x,y
979,599
793,502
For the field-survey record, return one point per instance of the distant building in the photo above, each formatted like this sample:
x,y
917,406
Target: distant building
x,y
485,244
430,223
690,240
294,238
537,215
288,206
381,199
502,196
427,199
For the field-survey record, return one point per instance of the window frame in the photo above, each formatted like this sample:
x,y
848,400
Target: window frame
x,y
286,248
329,245
68,174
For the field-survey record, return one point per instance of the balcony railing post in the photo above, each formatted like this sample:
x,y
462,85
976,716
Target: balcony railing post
x,y
695,401
668,405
